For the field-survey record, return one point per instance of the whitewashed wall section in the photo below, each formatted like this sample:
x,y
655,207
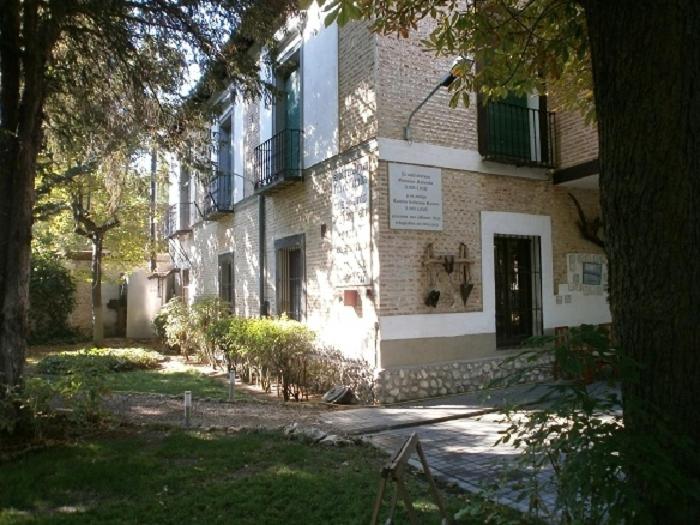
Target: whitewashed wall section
x,y
320,89
239,151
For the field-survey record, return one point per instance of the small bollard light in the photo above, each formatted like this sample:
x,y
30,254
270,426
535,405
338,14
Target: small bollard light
x,y
231,384
188,407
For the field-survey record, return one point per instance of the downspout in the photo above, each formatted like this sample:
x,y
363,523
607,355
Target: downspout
x,y
153,201
261,255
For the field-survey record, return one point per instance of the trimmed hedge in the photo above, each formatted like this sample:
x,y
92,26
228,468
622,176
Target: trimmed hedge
x,y
266,349
99,359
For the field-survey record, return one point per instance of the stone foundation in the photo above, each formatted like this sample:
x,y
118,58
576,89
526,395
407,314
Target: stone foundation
x,y
401,384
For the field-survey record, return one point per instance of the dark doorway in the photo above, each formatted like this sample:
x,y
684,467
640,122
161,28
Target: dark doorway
x,y
518,289
226,279
291,277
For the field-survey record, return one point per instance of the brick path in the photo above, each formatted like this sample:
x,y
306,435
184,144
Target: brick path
x,y
458,434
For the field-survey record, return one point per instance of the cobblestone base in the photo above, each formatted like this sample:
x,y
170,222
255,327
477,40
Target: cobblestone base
x,y
401,384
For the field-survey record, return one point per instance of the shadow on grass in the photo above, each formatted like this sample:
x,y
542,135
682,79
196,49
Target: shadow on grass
x,y
154,478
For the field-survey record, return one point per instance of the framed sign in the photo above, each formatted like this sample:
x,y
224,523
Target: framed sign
x,y
415,197
351,226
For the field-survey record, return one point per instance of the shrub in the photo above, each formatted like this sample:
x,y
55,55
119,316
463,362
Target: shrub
x,y
206,320
51,298
285,350
53,408
173,326
99,360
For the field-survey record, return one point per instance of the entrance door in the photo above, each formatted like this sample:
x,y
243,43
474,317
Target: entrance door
x,y
518,289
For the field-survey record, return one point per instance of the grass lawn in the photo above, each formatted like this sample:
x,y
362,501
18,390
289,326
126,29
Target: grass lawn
x,y
168,382
181,478
160,381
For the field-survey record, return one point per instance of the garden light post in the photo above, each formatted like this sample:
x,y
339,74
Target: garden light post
x,y
188,408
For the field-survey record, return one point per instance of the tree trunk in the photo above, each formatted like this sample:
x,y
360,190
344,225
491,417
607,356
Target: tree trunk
x,y
19,147
97,307
646,69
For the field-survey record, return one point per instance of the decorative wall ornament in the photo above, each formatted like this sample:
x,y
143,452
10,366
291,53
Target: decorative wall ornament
x,y
587,273
451,264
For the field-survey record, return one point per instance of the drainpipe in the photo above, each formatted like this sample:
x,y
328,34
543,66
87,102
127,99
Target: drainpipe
x,y
261,256
153,197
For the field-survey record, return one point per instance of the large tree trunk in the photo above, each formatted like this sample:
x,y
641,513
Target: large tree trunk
x,y
19,147
97,307
646,69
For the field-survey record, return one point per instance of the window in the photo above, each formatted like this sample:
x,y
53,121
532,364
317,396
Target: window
x,y
291,277
219,196
185,285
514,131
184,219
226,279
592,273
518,272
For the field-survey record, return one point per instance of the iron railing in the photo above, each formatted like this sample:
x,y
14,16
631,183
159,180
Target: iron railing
x,y
178,218
278,158
517,134
169,221
219,196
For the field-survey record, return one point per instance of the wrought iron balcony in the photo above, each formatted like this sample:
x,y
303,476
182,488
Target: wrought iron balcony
x,y
517,135
169,221
219,197
278,160
178,219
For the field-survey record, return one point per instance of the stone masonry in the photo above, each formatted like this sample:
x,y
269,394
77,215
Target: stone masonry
x,y
400,384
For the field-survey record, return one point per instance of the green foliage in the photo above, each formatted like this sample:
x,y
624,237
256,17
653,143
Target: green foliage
x,y
268,348
173,326
575,444
100,360
54,408
207,318
52,298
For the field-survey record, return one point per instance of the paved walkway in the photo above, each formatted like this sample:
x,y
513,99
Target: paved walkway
x,y
458,434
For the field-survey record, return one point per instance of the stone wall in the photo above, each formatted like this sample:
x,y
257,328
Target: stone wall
x,y
400,384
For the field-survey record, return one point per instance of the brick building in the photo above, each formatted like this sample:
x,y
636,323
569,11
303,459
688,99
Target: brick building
x,y
431,258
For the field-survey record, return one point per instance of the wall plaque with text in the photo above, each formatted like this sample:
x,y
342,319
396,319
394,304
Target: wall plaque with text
x,y
351,226
415,197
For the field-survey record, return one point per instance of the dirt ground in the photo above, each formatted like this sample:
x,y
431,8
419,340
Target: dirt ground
x,y
259,409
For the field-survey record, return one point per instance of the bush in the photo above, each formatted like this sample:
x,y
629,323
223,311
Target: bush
x,y
99,360
207,321
53,408
173,327
51,298
285,350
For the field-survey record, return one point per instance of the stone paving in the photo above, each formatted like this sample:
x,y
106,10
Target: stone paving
x,y
458,434
462,451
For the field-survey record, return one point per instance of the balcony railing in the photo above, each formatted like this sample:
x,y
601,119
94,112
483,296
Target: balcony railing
x,y
219,196
169,221
278,159
178,219
517,135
